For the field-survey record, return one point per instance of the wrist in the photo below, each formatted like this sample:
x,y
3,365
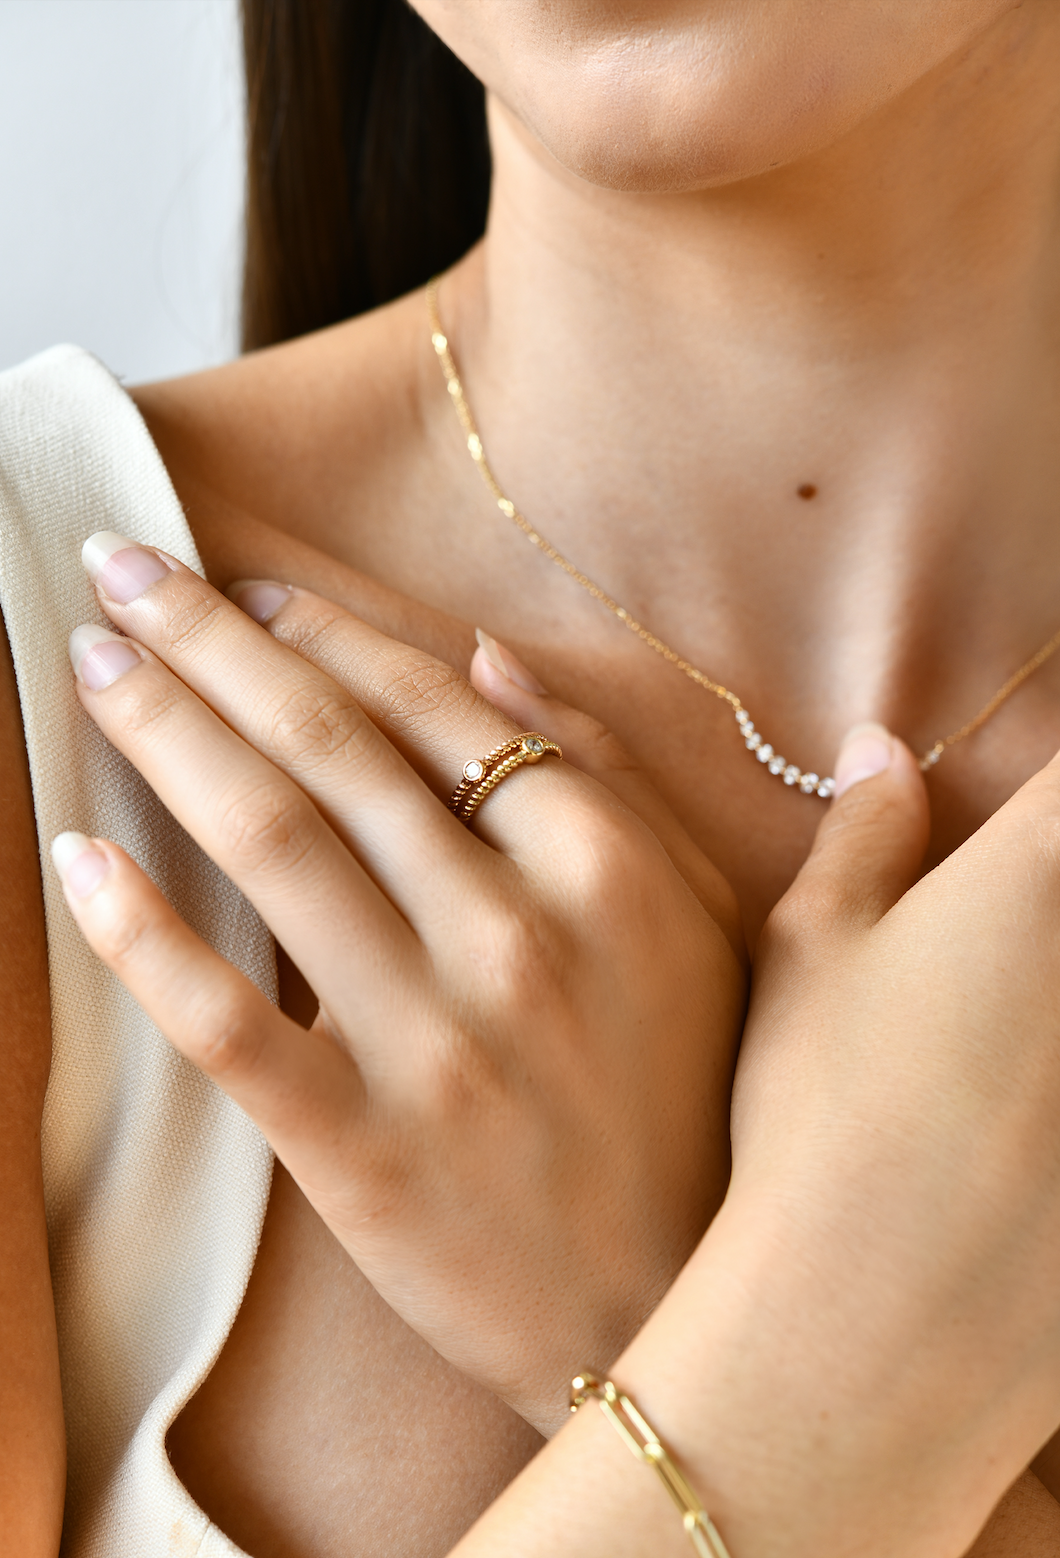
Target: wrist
x,y
807,1419
787,1399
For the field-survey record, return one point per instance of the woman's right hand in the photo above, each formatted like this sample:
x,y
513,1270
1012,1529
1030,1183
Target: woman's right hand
x,y
513,1109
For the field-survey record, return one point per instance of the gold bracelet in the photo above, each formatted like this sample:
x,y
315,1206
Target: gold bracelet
x,y
646,1445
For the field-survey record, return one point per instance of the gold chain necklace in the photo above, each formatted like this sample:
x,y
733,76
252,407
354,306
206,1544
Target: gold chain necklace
x,y
808,783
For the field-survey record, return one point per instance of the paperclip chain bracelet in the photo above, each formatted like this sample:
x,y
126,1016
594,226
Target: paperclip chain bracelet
x,y
642,1440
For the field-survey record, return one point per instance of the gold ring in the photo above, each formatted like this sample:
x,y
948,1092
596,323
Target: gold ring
x,y
483,774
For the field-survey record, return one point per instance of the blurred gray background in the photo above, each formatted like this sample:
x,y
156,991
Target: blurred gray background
x,y
121,181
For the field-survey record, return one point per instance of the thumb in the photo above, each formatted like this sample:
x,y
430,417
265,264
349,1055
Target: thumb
x,y
872,840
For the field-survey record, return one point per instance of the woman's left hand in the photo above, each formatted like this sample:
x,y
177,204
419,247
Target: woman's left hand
x,y
512,1109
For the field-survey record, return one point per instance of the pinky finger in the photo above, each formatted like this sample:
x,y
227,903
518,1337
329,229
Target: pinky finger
x,y
299,1088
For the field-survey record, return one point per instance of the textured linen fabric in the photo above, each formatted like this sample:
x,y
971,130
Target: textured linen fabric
x,y
156,1184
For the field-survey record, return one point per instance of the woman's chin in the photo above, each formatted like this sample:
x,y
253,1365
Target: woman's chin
x,y
705,94
663,146
661,166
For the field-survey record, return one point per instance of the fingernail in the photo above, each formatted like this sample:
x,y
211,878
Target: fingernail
x,y
99,657
81,866
866,751
259,598
121,568
504,661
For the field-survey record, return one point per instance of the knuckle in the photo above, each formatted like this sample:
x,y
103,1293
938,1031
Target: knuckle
x,y
149,705
123,940
318,727
424,687
864,806
312,631
517,954
605,858
268,828
807,911
389,1172
192,615
462,1075
229,1042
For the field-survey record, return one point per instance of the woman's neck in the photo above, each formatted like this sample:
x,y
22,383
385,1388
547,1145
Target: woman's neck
x,y
657,375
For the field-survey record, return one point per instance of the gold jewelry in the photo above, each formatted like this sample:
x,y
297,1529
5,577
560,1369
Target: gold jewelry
x,y
646,1445
809,783
483,774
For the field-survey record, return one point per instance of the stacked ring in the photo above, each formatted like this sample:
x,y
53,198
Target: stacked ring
x,y
483,774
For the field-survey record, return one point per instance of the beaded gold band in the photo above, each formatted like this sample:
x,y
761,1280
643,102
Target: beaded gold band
x,y
645,1444
483,774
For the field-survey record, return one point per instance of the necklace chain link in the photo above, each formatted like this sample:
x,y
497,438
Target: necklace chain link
x,y
808,783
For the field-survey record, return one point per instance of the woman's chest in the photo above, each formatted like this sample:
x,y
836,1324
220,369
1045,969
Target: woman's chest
x,y
433,581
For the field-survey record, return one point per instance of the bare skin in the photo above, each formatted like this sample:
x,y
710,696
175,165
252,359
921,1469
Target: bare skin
x,y
302,1416
917,395
919,576
346,441
328,1426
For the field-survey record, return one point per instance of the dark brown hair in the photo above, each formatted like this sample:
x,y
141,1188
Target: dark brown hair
x,y
368,166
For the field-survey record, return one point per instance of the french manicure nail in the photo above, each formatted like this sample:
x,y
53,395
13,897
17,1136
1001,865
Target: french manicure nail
x,y
80,864
504,661
122,569
259,598
866,751
99,657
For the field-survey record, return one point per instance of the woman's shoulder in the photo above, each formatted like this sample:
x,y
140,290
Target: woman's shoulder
x,y
305,435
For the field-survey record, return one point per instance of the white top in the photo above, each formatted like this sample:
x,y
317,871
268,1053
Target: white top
x,y
156,1184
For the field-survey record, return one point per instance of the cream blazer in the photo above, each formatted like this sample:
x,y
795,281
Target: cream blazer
x,y
156,1183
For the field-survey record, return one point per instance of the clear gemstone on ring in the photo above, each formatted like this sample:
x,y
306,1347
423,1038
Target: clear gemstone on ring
x,y
808,783
473,769
764,752
792,775
534,744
